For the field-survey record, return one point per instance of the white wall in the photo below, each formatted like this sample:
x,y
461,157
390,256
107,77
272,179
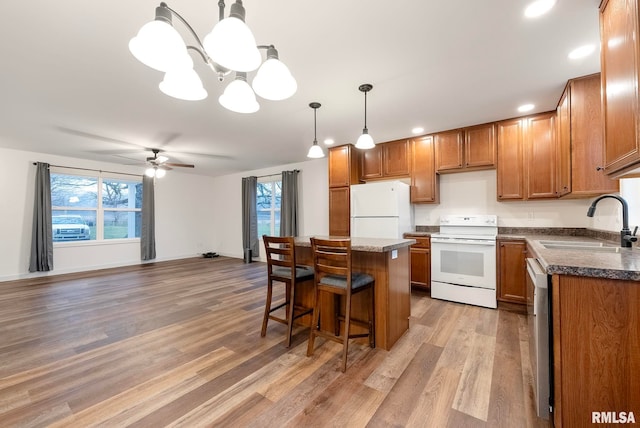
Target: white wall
x,y
185,218
314,206
475,193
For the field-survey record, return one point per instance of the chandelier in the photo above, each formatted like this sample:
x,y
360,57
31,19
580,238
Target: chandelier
x,y
229,47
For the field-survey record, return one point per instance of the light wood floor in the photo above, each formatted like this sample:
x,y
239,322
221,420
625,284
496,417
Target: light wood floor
x,y
178,344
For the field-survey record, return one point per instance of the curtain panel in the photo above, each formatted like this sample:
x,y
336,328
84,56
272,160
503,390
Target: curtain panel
x,y
289,204
148,227
250,215
41,259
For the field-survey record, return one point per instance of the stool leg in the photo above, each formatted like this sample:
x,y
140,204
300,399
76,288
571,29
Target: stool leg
x,y
372,318
267,308
290,308
314,321
347,325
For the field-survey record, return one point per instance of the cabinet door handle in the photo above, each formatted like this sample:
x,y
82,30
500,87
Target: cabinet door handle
x,y
599,168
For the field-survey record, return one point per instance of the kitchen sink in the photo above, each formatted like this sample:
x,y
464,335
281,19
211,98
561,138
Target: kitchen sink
x,y
596,247
573,243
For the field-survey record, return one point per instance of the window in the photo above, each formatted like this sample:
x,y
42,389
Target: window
x,y
268,195
95,207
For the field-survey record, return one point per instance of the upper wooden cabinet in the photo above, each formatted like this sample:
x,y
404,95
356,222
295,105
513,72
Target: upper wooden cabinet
x,y
424,180
386,160
580,141
527,158
619,29
343,166
466,149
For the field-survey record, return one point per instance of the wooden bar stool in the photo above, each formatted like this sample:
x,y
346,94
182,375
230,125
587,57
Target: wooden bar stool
x,y
332,265
281,267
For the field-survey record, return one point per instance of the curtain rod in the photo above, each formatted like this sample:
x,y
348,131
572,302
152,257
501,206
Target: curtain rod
x,y
274,175
94,170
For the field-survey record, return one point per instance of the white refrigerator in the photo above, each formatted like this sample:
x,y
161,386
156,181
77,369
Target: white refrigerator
x,y
381,210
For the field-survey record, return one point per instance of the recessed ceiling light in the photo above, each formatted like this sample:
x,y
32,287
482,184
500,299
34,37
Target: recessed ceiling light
x,y
329,141
525,107
582,51
538,8
417,130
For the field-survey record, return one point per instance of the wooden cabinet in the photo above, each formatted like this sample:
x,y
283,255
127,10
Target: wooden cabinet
x,y
420,253
527,158
424,180
386,160
596,339
619,29
466,149
343,172
580,141
512,271
540,156
510,172
343,166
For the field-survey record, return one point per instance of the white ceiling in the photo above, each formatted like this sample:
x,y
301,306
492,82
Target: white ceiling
x,y
69,86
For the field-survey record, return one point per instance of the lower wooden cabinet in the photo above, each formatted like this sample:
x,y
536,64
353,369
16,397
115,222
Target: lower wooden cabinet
x,y
420,253
512,271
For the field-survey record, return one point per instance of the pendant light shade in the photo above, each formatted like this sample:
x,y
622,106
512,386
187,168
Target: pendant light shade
x,y
274,80
158,45
232,44
184,84
315,151
238,96
365,141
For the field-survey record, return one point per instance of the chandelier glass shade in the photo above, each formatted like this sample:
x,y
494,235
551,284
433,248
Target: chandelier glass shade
x,y
238,96
230,46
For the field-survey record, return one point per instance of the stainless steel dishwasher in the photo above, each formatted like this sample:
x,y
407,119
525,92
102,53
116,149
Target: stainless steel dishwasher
x,y
538,314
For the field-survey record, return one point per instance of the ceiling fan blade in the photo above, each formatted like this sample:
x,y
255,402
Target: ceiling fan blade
x,y
181,165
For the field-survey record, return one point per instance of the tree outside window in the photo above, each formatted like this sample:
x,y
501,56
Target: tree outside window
x,y
268,197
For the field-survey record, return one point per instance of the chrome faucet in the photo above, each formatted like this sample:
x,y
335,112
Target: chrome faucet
x,y
626,237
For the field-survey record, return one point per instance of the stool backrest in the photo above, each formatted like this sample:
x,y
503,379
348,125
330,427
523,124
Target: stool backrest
x,y
332,257
280,252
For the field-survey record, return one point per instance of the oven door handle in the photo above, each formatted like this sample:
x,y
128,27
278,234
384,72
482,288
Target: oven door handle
x,y
463,241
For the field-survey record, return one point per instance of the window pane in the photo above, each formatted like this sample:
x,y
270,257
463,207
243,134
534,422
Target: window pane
x,y
74,191
276,227
278,193
263,196
264,222
121,194
122,224
73,225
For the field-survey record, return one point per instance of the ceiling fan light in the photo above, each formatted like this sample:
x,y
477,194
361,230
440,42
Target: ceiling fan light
x,y
365,141
150,172
232,45
158,45
183,84
239,97
160,173
274,81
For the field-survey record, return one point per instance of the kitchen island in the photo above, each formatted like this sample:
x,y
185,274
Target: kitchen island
x,y
387,260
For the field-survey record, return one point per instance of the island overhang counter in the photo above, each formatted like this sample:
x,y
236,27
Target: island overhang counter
x,y
388,261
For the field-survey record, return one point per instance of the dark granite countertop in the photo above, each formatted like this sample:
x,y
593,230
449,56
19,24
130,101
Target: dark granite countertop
x,y
369,245
624,264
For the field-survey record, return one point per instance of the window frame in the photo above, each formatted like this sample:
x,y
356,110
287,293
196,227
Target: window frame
x,y
272,181
99,209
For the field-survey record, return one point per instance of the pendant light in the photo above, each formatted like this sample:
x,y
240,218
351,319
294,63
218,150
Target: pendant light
x,y
365,141
238,96
315,151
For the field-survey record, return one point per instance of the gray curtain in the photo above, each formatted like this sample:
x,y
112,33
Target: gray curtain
x,y
289,204
42,231
148,231
250,215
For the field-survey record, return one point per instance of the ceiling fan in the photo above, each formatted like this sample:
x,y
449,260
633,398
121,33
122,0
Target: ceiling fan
x,y
158,165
